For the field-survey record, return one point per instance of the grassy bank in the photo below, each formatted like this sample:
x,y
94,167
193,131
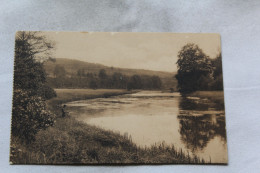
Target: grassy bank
x,y
70,141
73,142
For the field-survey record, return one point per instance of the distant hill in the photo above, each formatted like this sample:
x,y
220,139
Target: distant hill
x,y
72,66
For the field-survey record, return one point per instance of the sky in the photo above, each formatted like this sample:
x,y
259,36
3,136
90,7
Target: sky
x,y
150,51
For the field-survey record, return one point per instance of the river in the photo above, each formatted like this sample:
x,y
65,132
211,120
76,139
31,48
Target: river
x,y
194,124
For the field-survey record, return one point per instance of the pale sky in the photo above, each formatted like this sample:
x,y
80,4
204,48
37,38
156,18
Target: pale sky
x,y
151,51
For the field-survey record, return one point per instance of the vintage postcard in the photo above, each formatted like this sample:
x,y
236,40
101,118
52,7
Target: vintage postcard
x,y
117,98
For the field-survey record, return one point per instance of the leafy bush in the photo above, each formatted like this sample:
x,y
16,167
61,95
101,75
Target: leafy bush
x,y
29,115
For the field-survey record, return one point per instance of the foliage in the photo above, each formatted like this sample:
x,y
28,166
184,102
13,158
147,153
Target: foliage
x,y
30,89
59,71
46,92
217,84
102,80
31,50
118,80
28,73
33,44
156,82
93,84
102,74
80,72
196,71
29,115
135,82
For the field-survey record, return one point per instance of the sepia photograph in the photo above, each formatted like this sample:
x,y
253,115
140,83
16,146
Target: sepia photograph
x,y
84,98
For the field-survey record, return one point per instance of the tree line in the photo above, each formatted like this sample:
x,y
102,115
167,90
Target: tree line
x,y
197,71
101,79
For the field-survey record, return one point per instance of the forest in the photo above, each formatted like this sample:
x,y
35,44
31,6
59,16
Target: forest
x,y
103,80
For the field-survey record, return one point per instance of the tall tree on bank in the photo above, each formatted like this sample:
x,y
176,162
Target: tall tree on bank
x,y
29,113
194,69
31,50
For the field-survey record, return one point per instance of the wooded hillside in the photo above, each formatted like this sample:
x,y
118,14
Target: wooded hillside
x,y
78,68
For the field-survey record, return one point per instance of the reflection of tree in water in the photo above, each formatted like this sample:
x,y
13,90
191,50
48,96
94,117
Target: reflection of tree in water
x,y
199,104
189,104
197,131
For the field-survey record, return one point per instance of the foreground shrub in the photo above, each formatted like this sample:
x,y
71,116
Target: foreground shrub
x,y
29,115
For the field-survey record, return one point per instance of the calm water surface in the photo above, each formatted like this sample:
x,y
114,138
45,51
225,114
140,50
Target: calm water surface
x,y
193,124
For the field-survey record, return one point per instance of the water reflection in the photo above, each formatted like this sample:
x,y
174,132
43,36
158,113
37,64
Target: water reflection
x,y
200,104
200,121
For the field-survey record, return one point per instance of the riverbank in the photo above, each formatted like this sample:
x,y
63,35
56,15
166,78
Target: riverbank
x,y
69,141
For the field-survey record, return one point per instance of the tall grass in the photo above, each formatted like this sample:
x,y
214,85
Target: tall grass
x,y
73,142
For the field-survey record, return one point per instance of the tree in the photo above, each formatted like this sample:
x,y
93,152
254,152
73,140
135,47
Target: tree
x,y
59,71
90,75
81,73
217,84
135,83
102,74
217,66
31,50
30,89
193,65
102,78
156,82
119,80
93,84
33,45
60,74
